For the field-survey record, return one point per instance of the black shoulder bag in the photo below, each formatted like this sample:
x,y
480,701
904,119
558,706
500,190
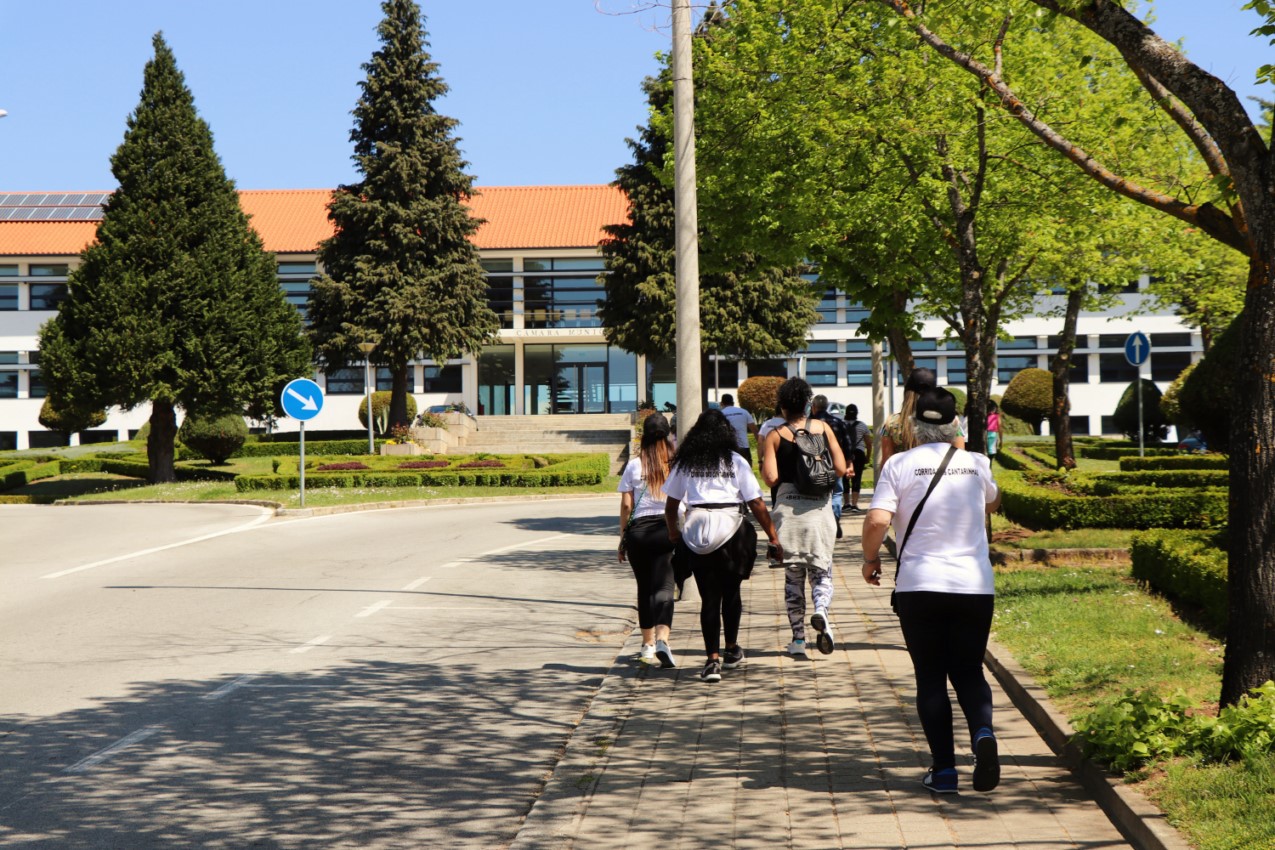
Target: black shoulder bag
x,y
898,555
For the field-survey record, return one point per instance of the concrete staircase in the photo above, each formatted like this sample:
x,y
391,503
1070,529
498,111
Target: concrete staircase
x,y
601,432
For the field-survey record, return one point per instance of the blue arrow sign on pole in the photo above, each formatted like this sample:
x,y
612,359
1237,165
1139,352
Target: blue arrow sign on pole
x,y
1137,348
302,399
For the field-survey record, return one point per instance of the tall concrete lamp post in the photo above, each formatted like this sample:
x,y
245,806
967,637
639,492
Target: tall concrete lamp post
x,y
367,348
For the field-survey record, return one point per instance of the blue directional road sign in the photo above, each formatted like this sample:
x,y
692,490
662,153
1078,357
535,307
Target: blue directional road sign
x,y
302,399
1137,348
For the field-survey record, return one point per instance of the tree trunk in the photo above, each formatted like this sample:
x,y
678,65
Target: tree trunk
x,y
1060,367
159,445
979,362
1250,633
398,396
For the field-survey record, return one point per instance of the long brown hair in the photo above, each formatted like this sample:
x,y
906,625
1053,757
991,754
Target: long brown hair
x,y
656,453
907,431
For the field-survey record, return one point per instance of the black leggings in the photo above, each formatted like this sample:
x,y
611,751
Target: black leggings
x,y
860,460
650,554
946,635
720,602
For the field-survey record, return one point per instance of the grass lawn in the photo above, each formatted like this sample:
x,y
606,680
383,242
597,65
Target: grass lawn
x,y
1089,633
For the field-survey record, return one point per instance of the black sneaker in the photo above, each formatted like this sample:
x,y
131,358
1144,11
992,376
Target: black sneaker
x,y
712,671
987,765
839,531
732,658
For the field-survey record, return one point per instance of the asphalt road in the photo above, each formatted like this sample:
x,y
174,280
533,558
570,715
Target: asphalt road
x,y
212,676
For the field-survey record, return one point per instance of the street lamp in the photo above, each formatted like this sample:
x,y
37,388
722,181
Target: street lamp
x,y
367,348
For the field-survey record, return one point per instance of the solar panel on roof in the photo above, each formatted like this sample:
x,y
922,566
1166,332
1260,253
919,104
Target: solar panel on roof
x,y
53,206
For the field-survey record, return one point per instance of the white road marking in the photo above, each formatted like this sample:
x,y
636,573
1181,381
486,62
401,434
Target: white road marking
x,y
231,687
311,644
418,583
265,515
102,755
373,608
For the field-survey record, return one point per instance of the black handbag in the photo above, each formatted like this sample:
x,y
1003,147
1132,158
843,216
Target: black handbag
x,y
898,554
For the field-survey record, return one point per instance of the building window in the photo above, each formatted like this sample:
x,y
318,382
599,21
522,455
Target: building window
x,y
768,368
1109,426
1079,425
856,313
444,379
347,381
828,307
8,441
924,344
1017,343
289,269
385,380
1115,369
500,297
46,439
1008,367
1082,343
496,381
956,370
8,358
1167,365
562,302
8,271
721,372
297,293
47,296
35,385
497,266
8,296
48,270
565,264
8,384
1178,340
1079,369
1112,340
858,372
821,372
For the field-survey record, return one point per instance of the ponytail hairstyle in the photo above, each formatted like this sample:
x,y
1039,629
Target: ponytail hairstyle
x,y
920,380
656,453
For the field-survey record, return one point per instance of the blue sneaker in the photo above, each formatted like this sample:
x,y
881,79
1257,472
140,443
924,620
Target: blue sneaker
x,y
940,781
987,765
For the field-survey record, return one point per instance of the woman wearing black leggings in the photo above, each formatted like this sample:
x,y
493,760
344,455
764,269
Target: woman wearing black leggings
x,y
937,496
644,539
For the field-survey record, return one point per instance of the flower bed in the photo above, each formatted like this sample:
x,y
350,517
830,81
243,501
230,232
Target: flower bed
x,y
482,464
423,464
341,467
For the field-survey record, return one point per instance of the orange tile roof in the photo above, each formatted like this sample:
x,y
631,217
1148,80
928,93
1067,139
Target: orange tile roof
x,y
295,220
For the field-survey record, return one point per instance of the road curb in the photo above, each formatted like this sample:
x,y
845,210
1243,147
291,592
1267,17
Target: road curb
x,y
1144,825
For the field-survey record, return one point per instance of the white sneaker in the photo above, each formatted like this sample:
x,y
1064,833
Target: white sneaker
x,y
797,649
647,655
664,655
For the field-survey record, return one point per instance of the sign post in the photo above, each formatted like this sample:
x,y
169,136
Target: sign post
x,y
1137,348
302,400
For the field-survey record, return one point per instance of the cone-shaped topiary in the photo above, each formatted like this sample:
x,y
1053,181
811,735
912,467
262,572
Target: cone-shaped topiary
x,y
1155,425
215,437
1030,397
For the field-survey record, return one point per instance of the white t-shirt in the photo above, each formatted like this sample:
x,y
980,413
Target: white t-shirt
x,y
736,485
769,425
706,530
739,419
631,481
947,552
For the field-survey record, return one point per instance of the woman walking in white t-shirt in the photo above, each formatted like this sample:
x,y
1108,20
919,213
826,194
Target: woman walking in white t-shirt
x,y
944,593
644,538
716,483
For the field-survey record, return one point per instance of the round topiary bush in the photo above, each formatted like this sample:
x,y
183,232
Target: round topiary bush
x,y
216,438
68,422
381,411
1030,397
1155,426
757,395
1171,402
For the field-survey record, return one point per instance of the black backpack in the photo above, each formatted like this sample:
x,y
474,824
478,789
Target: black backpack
x,y
815,473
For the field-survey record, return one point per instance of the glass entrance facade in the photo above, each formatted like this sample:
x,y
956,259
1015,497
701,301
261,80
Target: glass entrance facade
x,y
584,378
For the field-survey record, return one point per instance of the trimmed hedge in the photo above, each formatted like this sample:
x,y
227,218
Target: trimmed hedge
x,y
293,449
566,472
136,469
1192,478
1011,460
1187,565
1046,507
1133,464
1110,452
24,472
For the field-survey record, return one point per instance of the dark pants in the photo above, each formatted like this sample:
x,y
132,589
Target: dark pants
x,y
720,602
746,453
946,635
650,554
860,460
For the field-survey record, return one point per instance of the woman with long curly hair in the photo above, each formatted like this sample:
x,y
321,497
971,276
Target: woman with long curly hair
x,y
644,539
716,484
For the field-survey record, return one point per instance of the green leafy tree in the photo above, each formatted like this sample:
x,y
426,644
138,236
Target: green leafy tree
x,y
1171,402
176,303
1030,397
1208,397
1235,206
748,307
400,269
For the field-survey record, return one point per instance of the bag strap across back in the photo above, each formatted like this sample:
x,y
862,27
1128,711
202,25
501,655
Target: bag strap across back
x,y
898,555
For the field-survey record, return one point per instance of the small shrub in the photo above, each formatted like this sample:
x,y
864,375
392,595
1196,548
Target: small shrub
x,y
431,420
68,422
381,411
341,467
216,438
423,464
759,395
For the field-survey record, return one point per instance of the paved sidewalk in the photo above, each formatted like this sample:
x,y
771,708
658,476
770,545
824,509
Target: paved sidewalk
x,y
824,753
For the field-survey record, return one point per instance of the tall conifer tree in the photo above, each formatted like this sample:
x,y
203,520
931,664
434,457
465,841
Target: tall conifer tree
x,y
176,303
400,269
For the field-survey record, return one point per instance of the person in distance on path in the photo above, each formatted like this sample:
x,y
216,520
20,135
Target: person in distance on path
x,y
944,592
716,483
644,538
743,423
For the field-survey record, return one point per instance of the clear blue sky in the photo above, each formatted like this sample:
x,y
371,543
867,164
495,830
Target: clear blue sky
x,y
546,90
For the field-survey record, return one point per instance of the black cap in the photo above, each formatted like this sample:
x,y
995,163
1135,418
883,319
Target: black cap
x,y
920,380
655,427
936,406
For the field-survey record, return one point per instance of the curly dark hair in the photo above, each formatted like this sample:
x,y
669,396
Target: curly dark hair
x,y
793,396
706,449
